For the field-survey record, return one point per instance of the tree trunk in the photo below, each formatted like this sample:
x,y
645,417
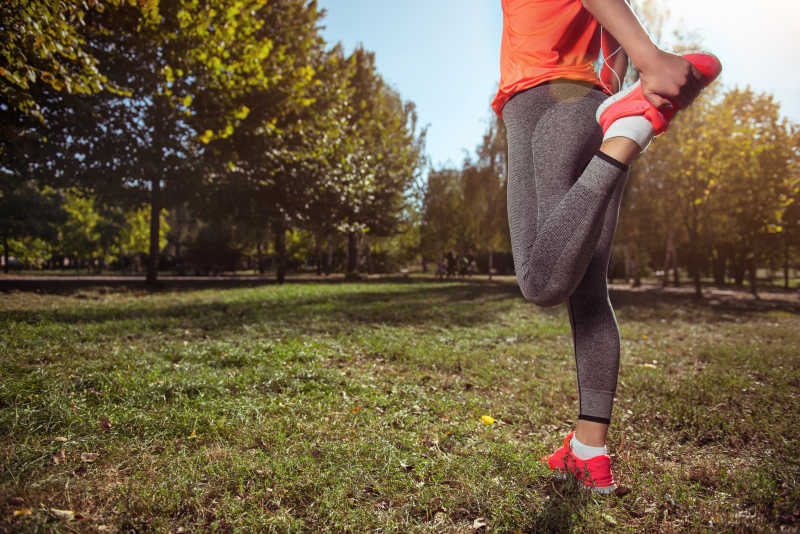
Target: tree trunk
x,y
318,253
694,268
155,221
260,257
632,271
491,262
368,255
718,266
178,231
751,271
738,271
670,257
280,250
5,254
352,256
329,266
785,263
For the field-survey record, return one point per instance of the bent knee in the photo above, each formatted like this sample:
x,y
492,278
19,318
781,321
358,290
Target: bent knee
x,y
543,294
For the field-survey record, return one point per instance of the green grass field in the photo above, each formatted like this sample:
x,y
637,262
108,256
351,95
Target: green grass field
x,y
315,407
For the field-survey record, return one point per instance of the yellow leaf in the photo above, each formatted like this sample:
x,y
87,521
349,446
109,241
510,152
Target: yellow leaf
x,y
24,511
487,419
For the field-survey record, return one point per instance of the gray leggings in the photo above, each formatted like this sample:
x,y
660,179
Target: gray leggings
x,y
563,201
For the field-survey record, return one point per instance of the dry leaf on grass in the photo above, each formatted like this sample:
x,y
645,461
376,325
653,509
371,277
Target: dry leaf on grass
x,y
61,439
67,515
24,511
479,522
60,457
104,423
89,457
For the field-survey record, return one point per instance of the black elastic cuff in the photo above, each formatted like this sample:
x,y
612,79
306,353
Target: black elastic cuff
x,y
615,162
594,419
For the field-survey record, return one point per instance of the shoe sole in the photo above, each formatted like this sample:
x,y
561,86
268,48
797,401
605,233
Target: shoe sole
x,y
603,490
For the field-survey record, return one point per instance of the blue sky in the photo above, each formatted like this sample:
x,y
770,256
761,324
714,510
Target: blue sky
x,y
443,54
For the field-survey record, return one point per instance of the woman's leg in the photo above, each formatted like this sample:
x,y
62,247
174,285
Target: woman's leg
x,y
596,336
563,201
559,187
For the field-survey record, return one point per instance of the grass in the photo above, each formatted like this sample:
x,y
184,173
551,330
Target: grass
x,y
357,407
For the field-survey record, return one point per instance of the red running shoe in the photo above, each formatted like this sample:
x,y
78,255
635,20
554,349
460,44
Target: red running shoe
x,y
632,102
595,473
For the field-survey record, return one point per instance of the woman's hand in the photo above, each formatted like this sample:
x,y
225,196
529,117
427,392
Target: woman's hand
x,y
669,80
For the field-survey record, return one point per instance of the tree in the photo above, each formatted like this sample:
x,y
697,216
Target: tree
x,y
490,210
386,155
188,74
28,212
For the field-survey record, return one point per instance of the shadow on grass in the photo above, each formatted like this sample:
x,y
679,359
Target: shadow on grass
x,y
408,302
563,503
462,304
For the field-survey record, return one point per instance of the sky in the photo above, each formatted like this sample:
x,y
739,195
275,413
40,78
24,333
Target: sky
x,y
443,55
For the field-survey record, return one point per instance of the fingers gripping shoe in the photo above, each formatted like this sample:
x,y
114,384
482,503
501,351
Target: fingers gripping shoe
x,y
595,473
631,102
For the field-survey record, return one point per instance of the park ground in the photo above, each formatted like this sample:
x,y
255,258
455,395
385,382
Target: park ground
x,y
359,407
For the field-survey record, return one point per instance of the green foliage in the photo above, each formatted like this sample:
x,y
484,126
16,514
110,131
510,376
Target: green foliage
x,y
719,182
466,209
43,42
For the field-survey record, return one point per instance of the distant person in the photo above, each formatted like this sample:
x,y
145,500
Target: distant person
x,y
451,261
440,268
567,174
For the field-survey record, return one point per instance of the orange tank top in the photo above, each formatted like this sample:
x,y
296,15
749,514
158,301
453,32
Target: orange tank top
x,y
545,40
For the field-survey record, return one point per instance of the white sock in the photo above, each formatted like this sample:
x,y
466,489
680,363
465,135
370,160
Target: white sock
x,y
636,128
584,452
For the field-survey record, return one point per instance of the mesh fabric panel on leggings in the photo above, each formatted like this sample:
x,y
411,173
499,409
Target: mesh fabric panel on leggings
x,y
563,201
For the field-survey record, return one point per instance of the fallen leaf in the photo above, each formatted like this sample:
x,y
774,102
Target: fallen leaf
x,y
479,522
67,515
24,511
487,420
356,409
60,457
104,423
406,467
649,366
89,457
62,439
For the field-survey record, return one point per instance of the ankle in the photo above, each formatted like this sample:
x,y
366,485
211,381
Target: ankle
x,y
584,451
